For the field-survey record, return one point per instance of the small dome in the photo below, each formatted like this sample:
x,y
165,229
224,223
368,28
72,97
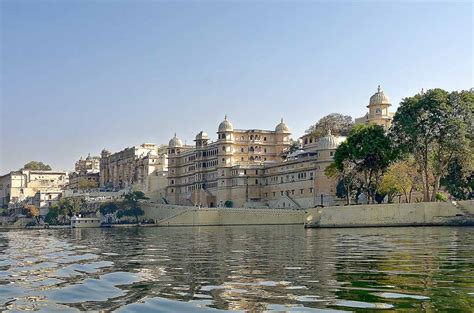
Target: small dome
x,y
175,142
225,126
202,136
282,127
329,142
379,98
104,152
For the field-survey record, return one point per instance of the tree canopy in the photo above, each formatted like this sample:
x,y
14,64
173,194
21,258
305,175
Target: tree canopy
x,y
339,124
365,156
108,208
132,205
401,178
437,128
35,165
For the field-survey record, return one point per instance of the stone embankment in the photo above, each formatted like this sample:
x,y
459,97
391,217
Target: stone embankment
x,y
403,214
380,215
170,215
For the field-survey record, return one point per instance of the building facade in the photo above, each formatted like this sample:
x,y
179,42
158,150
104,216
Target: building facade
x,y
379,105
245,168
27,186
86,173
91,164
141,167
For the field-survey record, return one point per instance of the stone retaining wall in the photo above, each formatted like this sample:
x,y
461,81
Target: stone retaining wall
x,y
402,214
169,215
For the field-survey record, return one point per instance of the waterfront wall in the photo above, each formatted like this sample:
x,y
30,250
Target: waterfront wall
x,y
402,214
171,215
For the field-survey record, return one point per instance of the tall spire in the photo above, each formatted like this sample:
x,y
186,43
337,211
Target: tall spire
x,y
282,120
378,88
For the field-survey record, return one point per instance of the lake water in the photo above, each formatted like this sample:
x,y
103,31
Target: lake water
x,y
256,269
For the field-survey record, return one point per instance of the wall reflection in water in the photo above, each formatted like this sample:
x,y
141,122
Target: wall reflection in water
x,y
280,268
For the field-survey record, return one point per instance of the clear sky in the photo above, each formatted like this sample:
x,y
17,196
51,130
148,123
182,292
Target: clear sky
x,y
80,76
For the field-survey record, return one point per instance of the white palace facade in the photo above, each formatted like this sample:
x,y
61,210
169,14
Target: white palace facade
x,y
245,168
252,167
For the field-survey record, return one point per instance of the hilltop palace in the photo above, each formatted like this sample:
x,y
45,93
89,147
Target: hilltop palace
x,y
244,168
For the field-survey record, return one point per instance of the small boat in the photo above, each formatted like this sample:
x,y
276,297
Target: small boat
x,y
83,222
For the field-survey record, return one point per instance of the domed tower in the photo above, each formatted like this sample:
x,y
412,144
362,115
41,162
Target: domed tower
x,y
225,130
105,153
225,138
327,145
282,136
201,139
175,145
378,107
326,187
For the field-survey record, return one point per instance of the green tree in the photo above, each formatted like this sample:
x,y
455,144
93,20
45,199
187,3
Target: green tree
x,y
52,217
401,177
35,165
56,215
340,125
459,181
390,187
132,205
346,176
367,152
436,127
108,208
73,205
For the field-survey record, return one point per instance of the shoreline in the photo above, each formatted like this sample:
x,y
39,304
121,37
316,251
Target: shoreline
x,y
429,214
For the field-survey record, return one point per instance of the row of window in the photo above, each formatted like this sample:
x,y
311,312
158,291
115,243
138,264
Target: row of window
x,y
292,192
292,177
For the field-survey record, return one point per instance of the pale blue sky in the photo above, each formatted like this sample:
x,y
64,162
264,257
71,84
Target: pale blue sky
x,y
80,76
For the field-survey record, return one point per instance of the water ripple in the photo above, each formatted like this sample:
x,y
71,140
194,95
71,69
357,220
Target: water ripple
x,y
256,269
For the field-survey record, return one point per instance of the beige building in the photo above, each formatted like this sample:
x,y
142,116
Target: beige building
x,y
299,181
78,180
85,170
42,188
44,199
245,168
91,164
379,113
142,167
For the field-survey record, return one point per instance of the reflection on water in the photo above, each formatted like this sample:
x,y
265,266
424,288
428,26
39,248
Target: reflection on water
x,y
269,268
